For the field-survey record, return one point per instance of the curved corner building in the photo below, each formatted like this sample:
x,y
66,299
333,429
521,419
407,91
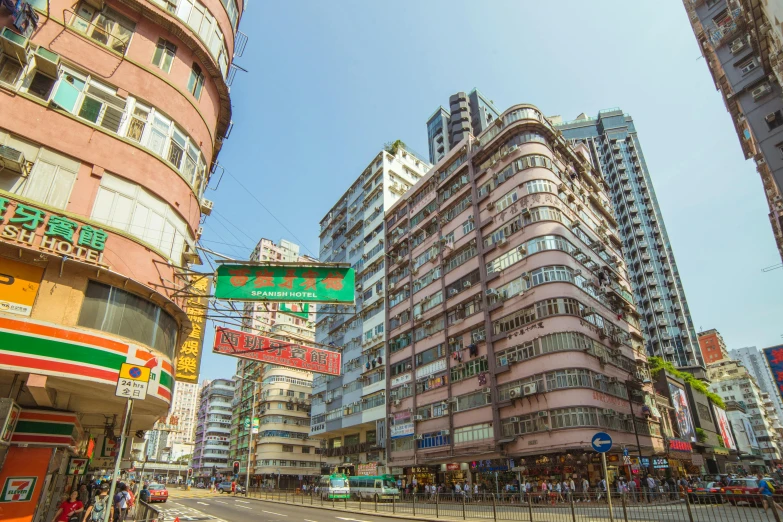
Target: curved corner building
x,y
111,114
513,336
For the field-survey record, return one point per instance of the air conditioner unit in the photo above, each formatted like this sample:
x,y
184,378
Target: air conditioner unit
x,y
512,357
408,366
453,292
397,402
514,419
11,159
515,392
418,418
501,241
391,286
445,432
603,360
608,411
525,211
419,437
466,284
529,388
490,205
487,390
206,206
543,414
771,117
761,90
522,250
345,385
491,291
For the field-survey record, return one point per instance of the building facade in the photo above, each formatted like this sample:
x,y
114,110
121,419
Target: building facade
x,y
469,113
213,428
349,411
112,112
712,346
733,382
173,435
513,335
616,152
754,361
742,47
258,318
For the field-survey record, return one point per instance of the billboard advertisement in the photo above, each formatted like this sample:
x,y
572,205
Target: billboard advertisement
x,y
724,428
291,283
754,443
19,284
682,413
774,357
301,310
188,360
273,351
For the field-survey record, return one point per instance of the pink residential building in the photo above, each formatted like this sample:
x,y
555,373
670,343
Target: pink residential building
x,y
513,337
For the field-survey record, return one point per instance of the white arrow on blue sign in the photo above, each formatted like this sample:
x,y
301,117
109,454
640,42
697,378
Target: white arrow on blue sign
x,y
601,442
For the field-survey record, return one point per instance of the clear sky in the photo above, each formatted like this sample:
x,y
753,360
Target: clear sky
x,y
328,83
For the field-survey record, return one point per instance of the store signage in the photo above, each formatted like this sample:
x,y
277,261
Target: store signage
x,y
431,368
77,466
402,430
402,416
680,445
452,467
420,470
401,379
489,465
19,283
9,415
298,309
33,228
18,489
658,463
265,349
720,451
603,397
133,381
371,468
256,426
774,355
697,459
188,360
291,283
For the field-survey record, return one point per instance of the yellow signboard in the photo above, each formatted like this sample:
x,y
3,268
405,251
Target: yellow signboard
x,y
19,283
134,372
188,358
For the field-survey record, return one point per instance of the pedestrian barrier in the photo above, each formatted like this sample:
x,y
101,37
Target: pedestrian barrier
x,y
146,513
552,506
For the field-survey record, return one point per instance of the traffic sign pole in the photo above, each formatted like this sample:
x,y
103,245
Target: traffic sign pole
x,y
120,451
608,487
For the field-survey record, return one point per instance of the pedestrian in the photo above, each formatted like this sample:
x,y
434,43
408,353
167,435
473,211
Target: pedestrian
x,y
234,487
97,510
144,494
766,489
559,491
121,500
601,487
585,489
69,508
632,489
650,489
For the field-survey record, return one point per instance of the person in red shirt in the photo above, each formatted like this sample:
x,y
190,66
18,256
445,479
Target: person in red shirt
x,y
69,507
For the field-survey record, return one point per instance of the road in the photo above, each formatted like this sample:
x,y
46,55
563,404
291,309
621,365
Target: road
x,y
200,505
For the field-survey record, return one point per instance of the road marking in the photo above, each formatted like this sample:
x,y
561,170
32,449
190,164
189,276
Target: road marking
x,y
351,519
243,501
221,502
272,513
245,507
305,520
202,503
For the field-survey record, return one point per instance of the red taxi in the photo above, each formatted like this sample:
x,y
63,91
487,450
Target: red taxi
x,y
158,493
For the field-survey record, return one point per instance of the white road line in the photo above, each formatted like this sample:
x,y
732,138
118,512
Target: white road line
x,y
245,507
202,503
243,501
305,520
272,513
221,502
351,519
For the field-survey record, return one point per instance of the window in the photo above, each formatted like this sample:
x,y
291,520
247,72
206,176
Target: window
x,y
288,449
9,70
540,185
51,183
118,312
41,85
164,55
774,119
305,449
124,205
748,65
468,226
196,81
473,400
473,433
107,27
504,202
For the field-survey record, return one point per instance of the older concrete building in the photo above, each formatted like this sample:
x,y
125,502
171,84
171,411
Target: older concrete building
x,y
213,426
743,49
712,346
469,113
513,334
112,114
349,411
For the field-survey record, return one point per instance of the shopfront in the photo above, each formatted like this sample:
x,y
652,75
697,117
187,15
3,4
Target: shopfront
x,y
565,466
420,475
454,473
492,474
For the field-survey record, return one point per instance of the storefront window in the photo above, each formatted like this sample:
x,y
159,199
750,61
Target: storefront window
x,y
118,312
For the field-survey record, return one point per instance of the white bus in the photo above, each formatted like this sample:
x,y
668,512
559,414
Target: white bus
x,y
378,487
334,486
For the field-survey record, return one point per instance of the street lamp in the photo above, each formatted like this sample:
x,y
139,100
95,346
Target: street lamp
x,y
636,386
250,435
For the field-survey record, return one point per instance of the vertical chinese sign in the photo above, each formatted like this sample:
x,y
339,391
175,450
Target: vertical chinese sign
x,y
285,283
264,349
774,356
188,358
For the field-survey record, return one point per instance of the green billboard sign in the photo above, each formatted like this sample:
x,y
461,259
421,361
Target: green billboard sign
x,y
298,309
286,283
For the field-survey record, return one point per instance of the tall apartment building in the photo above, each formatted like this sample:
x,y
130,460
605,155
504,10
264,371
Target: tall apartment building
x,y
213,427
732,381
259,318
742,45
513,335
616,152
173,436
712,346
112,113
469,113
349,411
753,359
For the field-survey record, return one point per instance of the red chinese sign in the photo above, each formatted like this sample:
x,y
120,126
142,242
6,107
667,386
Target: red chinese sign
x,y
265,349
680,445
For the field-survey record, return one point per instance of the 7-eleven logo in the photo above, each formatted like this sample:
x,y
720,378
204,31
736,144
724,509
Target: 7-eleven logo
x,y
18,489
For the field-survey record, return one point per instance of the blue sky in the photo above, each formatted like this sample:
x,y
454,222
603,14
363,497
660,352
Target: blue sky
x,y
330,82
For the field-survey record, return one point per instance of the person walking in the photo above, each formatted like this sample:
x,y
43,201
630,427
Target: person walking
x,y
234,487
601,487
70,507
97,510
585,489
766,489
650,489
121,503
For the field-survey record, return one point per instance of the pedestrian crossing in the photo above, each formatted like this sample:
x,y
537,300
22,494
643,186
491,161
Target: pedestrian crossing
x,y
193,493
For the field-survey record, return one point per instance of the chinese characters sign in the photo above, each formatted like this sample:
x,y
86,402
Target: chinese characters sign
x,y
34,228
272,351
774,357
188,359
292,283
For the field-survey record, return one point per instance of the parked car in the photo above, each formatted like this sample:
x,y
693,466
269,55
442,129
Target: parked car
x,y
706,493
158,493
225,487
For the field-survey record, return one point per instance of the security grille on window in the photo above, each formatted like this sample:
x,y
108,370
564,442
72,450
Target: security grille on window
x,y
107,27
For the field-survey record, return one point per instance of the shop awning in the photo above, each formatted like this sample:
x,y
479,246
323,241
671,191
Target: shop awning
x,y
47,428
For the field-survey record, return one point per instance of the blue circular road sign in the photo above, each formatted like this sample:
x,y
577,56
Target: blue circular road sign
x,y
601,442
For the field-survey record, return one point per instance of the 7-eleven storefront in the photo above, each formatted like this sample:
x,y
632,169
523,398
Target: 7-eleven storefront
x,y
61,420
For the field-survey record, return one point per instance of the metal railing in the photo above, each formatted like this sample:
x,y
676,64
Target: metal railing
x,y
146,513
551,506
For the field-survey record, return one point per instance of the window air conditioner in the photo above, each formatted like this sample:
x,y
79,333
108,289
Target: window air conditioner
x,y
529,388
543,414
206,206
761,90
11,159
514,419
771,117
515,392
